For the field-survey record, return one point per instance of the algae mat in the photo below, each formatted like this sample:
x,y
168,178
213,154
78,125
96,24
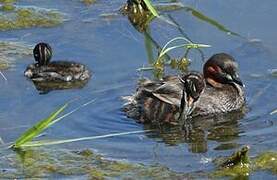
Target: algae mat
x,y
10,51
20,17
41,163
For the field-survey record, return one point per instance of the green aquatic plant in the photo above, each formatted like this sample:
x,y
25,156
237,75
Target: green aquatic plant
x,y
26,139
236,165
151,8
4,64
168,6
240,165
239,158
266,161
187,45
7,1
139,14
39,127
10,51
88,2
148,45
55,142
41,162
46,162
176,43
27,17
210,21
7,7
157,65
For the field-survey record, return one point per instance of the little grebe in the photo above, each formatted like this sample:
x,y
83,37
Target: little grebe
x,y
44,70
224,91
161,100
167,100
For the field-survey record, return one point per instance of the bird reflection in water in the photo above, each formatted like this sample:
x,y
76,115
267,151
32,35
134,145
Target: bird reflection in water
x,y
197,132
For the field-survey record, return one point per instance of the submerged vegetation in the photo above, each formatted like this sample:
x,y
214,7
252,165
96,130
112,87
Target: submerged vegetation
x,y
240,165
140,14
35,163
39,162
88,2
10,51
19,17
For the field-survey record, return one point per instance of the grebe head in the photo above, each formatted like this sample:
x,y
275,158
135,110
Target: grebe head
x,y
221,69
194,85
42,53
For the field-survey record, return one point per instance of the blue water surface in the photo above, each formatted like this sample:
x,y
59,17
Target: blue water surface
x,y
114,50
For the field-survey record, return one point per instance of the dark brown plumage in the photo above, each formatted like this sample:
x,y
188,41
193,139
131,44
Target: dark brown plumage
x,y
167,100
46,71
162,100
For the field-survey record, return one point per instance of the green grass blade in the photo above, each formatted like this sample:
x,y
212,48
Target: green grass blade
x,y
38,128
211,21
273,112
148,46
188,46
74,110
151,8
55,142
173,40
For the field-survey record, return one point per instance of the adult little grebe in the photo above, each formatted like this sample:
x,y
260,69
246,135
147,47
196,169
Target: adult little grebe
x,y
224,91
167,100
162,100
44,70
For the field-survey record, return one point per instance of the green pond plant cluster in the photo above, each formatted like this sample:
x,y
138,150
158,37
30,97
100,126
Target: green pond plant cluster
x,y
20,17
10,51
240,165
47,163
140,14
38,163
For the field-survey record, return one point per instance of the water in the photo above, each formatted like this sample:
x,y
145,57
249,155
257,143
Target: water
x,y
113,50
